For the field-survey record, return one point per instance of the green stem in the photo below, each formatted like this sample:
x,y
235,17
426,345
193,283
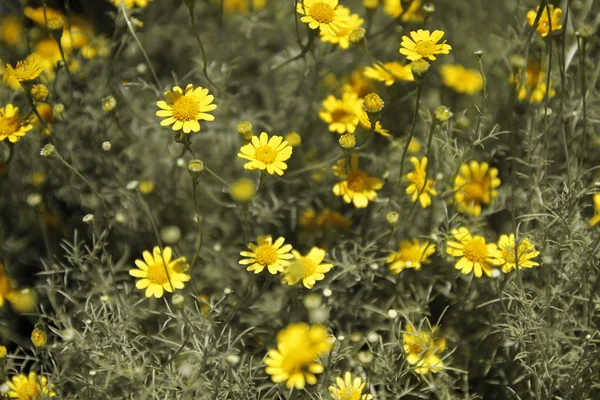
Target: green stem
x,y
201,45
305,49
198,221
111,269
412,131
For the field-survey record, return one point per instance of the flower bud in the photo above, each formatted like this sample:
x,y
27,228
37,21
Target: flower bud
x,y
109,103
372,103
442,114
195,168
357,36
38,338
393,218
88,219
348,141
106,146
419,69
39,92
48,150
244,128
294,139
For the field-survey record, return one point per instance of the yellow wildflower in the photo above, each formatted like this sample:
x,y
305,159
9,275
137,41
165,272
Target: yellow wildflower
x,y
358,188
38,338
132,3
477,256
242,190
11,31
524,255
26,70
475,185
418,187
423,44
158,271
37,14
323,15
10,126
30,387
545,25
423,349
308,269
596,218
6,286
461,79
342,37
266,253
343,114
410,254
185,110
357,83
399,72
266,154
349,389
241,6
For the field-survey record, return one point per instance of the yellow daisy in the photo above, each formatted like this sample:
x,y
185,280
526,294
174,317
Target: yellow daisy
x,y
26,70
524,255
294,361
356,83
37,14
544,26
414,12
476,255
308,269
475,185
461,79
422,44
6,286
323,14
418,188
185,110
343,114
273,256
10,126
535,86
423,348
159,272
596,218
8,79
131,3
30,387
349,389
358,188
11,31
241,6
393,7
341,37
266,154
365,123
399,72
410,255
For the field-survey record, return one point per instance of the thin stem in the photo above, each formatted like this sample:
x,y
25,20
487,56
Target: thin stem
x,y
151,218
198,221
111,269
311,38
201,45
412,130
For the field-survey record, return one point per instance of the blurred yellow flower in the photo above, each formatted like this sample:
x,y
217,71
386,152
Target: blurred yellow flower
x,y
242,190
10,126
475,254
185,109
475,185
461,79
267,254
365,123
23,301
423,44
545,25
26,70
414,12
37,14
418,188
399,72
596,218
423,348
146,187
323,15
294,139
38,338
294,361
349,389
30,387
11,31
535,87
393,7
524,255
6,286
356,83
132,3
308,269
343,114
158,271
358,188
410,254
240,6
341,37
266,154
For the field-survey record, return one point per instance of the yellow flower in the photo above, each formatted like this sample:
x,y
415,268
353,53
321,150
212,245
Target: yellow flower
x,y
476,255
358,188
30,387
475,185
26,70
399,72
523,255
45,111
365,123
23,301
535,86
10,126
242,190
266,154
8,79
146,187
418,188
341,37
2,352
308,269
357,83
37,14
414,146
131,3
596,218
49,53
393,7
240,6
544,24
410,255
39,92
294,361
294,139
349,389
185,110
461,79
267,254
343,114
38,337
422,44
423,349
6,286
159,272
11,31
323,14
414,12
78,34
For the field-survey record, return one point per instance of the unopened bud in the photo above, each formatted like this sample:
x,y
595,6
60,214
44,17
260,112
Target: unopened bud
x,y
244,128
195,168
348,141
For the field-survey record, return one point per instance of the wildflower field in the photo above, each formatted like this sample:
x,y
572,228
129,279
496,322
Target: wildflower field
x,y
299,199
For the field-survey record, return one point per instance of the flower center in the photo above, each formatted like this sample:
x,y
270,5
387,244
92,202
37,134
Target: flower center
x,y
475,191
342,115
475,250
8,126
425,48
266,154
301,268
157,274
185,109
357,181
349,393
266,254
322,13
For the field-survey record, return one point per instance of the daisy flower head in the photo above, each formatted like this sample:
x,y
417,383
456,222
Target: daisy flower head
x,y
596,218
10,126
475,254
349,389
398,71
423,44
30,387
356,83
534,90
308,269
184,110
343,114
423,348
6,286
418,188
295,360
342,37
158,271
461,79
410,254
266,154
323,14
11,31
358,188
26,70
524,255
393,8
475,185
266,253
545,24
39,16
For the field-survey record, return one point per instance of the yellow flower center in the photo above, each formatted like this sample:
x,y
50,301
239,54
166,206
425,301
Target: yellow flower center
x,y
342,115
411,256
348,393
425,48
185,109
266,254
266,154
475,250
8,126
322,13
301,268
157,273
358,181
475,191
